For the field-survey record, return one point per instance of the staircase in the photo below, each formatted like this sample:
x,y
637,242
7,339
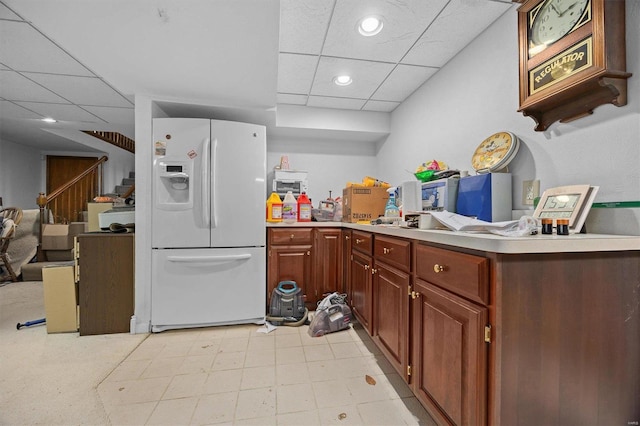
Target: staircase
x,y
59,249
126,188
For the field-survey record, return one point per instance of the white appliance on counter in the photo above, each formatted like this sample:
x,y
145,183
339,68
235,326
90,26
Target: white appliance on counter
x,y
282,181
208,224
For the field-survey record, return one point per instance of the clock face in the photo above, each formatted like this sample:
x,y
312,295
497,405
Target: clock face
x,y
495,152
553,20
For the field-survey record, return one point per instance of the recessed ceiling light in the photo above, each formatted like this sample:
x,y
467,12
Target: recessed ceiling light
x,y
343,80
49,120
370,26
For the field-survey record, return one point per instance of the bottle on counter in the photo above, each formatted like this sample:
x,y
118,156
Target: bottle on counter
x,y
304,208
391,210
274,208
289,208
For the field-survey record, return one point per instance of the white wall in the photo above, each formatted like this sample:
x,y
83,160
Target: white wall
x,y
476,94
20,175
23,169
330,164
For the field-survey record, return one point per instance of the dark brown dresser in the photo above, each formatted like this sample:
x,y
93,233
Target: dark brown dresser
x,y
105,282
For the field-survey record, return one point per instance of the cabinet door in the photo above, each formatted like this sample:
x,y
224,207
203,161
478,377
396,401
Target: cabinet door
x,y
106,288
289,263
449,356
391,315
327,252
361,289
346,263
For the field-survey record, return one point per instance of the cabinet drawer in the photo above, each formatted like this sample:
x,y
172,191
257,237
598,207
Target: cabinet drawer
x,y
393,251
464,274
362,241
290,236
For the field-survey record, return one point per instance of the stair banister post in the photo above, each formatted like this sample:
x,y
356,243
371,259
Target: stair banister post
x,y
42,204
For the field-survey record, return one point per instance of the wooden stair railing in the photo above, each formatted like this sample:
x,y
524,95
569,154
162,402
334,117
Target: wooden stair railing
x,y
114,138
130,192
72,197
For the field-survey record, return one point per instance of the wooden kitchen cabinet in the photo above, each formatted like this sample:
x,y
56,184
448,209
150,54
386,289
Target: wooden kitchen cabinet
x,y
538,331
346,263
391,275
449,366
312,257
361,264
290,255
566,347
328,262
105,282
449,357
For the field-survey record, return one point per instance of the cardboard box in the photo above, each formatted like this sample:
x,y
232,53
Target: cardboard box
x,y
59,255
60,299
363,203
60,236
93,209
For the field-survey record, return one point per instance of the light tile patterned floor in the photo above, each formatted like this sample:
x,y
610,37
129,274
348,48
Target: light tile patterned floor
x,y
235,375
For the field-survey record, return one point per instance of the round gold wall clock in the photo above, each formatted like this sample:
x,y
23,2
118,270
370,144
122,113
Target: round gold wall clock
x,y
495,152
572,58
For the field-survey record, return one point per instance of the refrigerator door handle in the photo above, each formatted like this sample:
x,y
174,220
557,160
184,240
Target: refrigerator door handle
x,y
214,170
209,259
205,182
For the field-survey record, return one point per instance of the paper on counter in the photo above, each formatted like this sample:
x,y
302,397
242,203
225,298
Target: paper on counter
x,y
524,226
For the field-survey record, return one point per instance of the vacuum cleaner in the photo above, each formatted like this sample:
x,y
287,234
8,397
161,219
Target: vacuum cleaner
x,y
333,314
287,305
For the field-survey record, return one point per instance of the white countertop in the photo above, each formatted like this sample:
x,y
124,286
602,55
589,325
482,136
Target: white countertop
x,y
491,242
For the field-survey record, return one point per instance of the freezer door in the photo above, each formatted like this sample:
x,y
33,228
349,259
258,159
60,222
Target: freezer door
x,y
238,184
195,288
180,215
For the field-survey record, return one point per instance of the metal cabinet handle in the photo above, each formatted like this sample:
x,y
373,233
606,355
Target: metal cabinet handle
x,y
438,268
346,237
386,250
358,240
415,294
373,271
292,236
366,267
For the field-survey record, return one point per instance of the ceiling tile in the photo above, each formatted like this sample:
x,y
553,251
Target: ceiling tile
x,y
366,75
61,112
22,48
402,82
81,90
295,73
15,87
11,110
381,106
339,103
404,22
460,22
286,98
6,13
303,25
112,114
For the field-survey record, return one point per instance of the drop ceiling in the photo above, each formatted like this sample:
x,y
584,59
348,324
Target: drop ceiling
x,y
82,62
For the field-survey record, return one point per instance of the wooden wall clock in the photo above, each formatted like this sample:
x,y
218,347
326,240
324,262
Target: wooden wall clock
x,y
572,58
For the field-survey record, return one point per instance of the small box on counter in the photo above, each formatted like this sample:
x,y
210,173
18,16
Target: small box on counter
x,y
363,203
421,220
94,209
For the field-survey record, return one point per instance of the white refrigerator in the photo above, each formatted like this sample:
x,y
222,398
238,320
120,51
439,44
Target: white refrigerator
x,y
208,223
